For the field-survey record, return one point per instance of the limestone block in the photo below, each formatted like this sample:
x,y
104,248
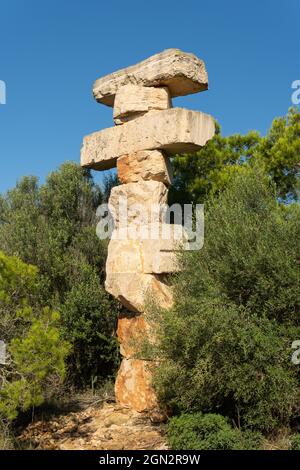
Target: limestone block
x,y
134,290
133,387
157,259
132,331
138,203
160,245
140,256
124,256
174,130
145,250
133,101
183,73
144,165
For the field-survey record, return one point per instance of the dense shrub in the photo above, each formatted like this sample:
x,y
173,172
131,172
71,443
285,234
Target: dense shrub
x,y
36,352
208,432
88,319
226,344
295,442
53,227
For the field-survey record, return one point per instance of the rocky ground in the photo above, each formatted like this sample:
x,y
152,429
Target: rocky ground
x,y
108,427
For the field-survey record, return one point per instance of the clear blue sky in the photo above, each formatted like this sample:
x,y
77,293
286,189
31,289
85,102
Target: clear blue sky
x,y
51,51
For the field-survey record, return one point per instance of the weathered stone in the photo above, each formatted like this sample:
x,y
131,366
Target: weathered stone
x,y
132,331
175,130
138,203
144,165
140,256
183,73
133,386
157,259
160,244
124,256
148,131
145,250
134,290
133,101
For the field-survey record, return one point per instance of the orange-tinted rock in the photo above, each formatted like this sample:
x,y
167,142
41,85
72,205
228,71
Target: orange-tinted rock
x,y
144,165
132,331
133,387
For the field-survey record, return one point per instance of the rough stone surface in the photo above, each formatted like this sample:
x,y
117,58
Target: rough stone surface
x,y
144,165
183,73
132,330
146,256
175,130
138,203
159,256
133,386
148,131
111,427
134,290
146,251
133,101
124,256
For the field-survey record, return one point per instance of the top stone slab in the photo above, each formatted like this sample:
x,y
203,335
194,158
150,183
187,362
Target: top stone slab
x,y
183,73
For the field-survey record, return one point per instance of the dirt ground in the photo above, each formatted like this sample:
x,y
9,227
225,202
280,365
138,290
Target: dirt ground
x,y
107,427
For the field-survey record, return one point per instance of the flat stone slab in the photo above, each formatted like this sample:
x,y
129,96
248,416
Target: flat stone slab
x,y
183,73
174,130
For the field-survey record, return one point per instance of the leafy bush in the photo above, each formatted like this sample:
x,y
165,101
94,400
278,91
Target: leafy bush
x,y
36,351
211,169
53,227
226,343
89,324
208,432
295,442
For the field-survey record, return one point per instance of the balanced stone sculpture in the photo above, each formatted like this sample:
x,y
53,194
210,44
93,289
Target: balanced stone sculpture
x,y
148,130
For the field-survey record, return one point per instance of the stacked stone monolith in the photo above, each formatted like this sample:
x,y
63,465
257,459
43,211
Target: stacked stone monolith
x,y
148,130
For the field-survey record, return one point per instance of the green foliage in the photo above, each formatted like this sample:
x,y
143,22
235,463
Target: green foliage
x,y
295,442
18,285
208,432
53,227
36,351
226,344
231,363
88,320
110,180
280,150
251,248
204,173
209,171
